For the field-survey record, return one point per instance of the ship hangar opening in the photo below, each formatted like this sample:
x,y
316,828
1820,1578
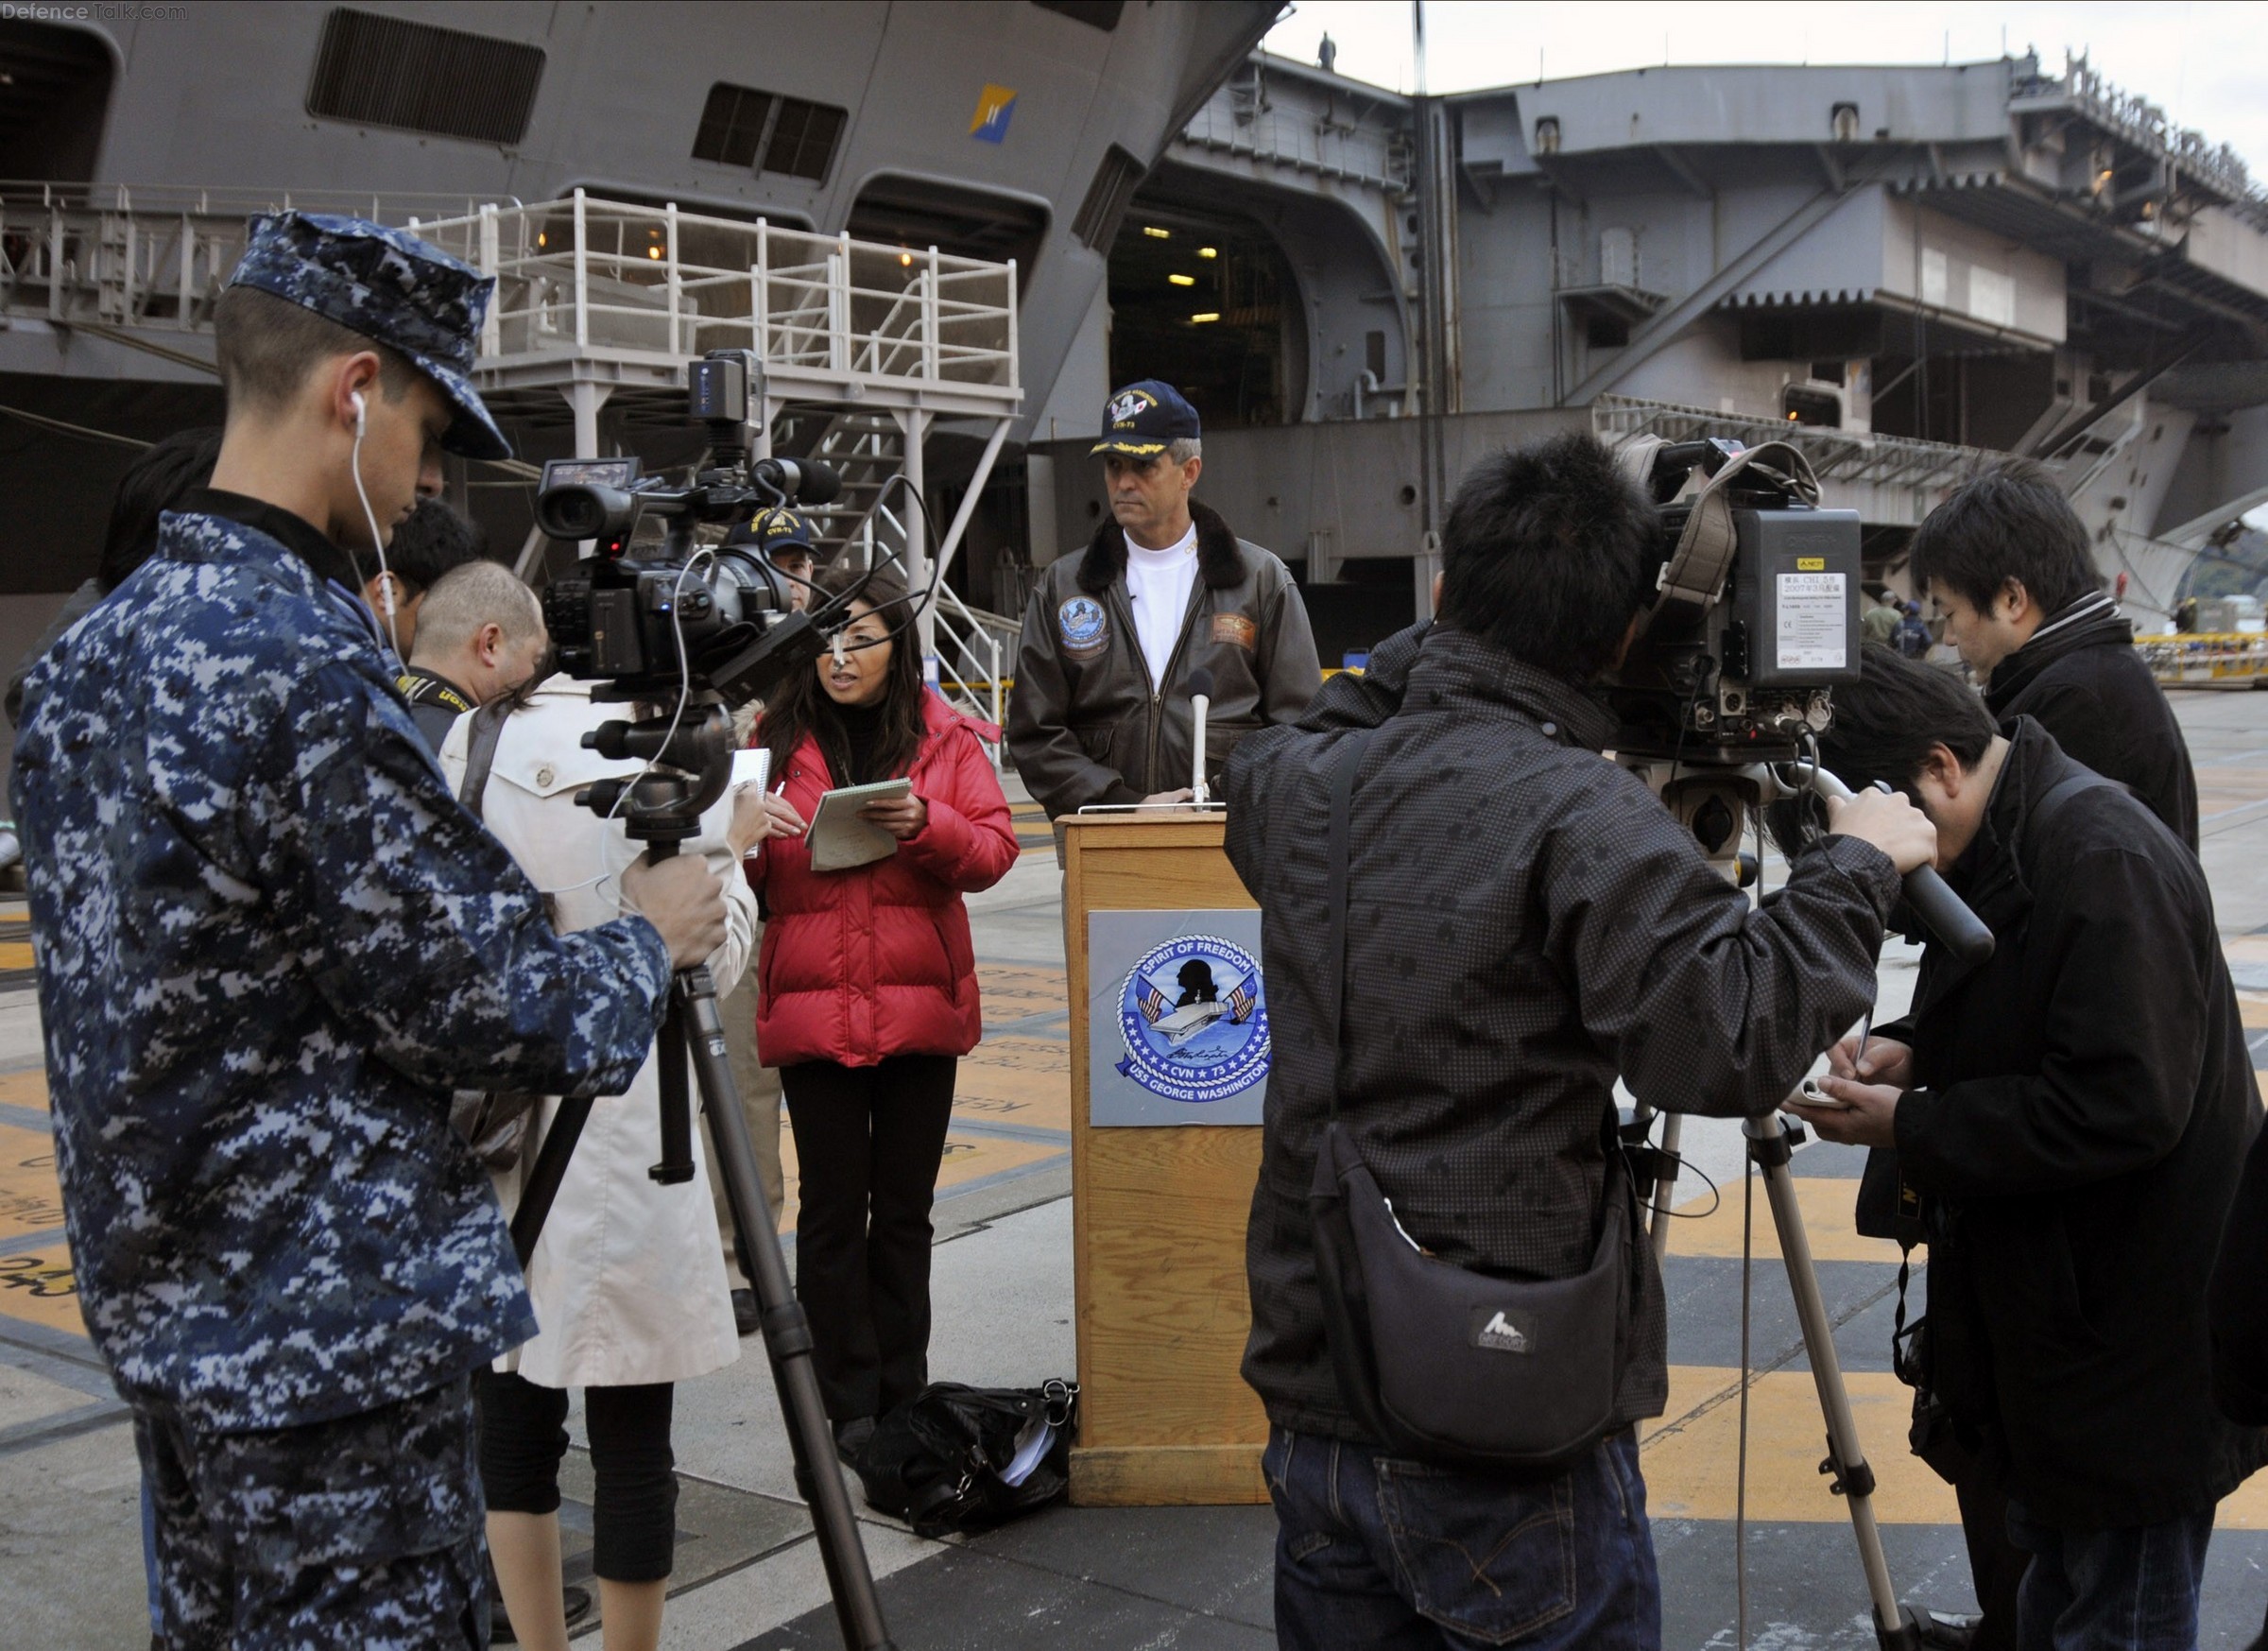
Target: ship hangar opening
x,y
1270,310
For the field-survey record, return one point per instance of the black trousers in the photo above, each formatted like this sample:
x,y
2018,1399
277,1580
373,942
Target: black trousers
x,y
634,1509
869,1140
1996,1564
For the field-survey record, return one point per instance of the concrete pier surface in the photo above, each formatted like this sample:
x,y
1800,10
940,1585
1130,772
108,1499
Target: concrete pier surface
x,y
748,1574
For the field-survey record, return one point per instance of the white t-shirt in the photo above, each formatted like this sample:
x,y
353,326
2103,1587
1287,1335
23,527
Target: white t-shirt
x,y
1158,584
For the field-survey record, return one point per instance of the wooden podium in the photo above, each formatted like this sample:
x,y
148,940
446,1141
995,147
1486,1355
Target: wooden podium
x,y
1159,1218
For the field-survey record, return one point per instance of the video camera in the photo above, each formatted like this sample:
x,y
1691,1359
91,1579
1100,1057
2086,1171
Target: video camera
x,y
1756,616
684,619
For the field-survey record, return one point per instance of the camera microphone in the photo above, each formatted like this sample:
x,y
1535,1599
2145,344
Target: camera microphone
x,y
807,480
1200,701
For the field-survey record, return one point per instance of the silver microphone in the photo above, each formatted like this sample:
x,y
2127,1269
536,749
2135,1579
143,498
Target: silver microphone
x,y
1200,701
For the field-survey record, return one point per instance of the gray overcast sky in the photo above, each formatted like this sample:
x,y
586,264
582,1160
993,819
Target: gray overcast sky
x,y
2203,63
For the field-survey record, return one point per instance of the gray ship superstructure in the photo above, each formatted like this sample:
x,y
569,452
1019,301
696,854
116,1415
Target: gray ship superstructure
x,y
936,188
947,229
1909,269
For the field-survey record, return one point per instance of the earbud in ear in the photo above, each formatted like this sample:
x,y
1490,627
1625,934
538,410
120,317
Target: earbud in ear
x,y
361,412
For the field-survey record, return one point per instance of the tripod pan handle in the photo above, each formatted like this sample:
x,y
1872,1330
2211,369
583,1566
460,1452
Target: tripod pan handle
x,y
1946,916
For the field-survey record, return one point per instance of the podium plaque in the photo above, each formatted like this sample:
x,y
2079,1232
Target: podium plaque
x,y
1169,1056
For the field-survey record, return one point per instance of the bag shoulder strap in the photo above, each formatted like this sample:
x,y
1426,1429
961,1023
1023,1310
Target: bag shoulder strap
x,y
1336,855
2050,802
1343,770
480,753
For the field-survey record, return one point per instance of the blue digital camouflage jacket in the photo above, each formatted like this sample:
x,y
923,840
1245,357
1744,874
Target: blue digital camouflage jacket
x,y
270,944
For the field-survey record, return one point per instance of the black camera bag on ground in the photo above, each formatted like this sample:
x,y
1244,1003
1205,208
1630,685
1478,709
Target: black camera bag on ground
x,y
937,1460
1437,1362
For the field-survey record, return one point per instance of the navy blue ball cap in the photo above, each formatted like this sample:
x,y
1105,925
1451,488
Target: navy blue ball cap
x,y
1144,417
775,530
391,287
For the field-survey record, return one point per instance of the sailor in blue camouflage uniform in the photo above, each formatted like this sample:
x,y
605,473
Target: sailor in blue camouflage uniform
x,y
270,945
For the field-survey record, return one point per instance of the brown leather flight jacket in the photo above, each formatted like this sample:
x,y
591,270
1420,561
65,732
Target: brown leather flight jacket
x,y
1085,725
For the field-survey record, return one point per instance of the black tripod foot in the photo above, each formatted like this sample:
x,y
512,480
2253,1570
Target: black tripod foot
x,y
1927,1631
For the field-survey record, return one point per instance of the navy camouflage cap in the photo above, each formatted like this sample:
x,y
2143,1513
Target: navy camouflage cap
x,y
775,530
387,285
1144,417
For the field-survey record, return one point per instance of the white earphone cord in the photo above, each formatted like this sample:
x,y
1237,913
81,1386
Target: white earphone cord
x,y
386,581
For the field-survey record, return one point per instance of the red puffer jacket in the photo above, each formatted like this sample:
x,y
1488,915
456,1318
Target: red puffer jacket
x,y
877,960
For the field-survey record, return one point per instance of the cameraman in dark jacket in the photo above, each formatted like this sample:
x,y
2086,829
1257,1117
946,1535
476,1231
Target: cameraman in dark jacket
x,y
2006,560
2077,1107
1525,923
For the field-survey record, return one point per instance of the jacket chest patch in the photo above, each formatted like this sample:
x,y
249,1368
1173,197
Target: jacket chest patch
x,y
1084,627
1236,630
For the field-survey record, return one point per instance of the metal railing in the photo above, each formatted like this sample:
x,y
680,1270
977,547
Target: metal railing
x,y
578,275
2198,659
975,653
588,275
2143,122
133,255
1836,455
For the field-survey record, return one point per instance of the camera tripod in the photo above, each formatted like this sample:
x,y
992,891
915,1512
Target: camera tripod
x,y
1712,803
689,763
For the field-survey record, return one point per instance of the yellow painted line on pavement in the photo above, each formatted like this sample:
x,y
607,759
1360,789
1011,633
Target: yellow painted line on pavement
x,y
24,1089
15,954
1009,992
37,1287
1690,1454
1023,1081
31,1198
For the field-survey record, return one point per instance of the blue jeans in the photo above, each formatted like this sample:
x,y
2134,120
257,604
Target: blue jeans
x,y
1384,1555
2133,1589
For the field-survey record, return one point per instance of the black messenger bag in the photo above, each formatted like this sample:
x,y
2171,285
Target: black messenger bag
x,y
1436,1361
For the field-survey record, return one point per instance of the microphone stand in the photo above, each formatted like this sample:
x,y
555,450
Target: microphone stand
x,y
1200,701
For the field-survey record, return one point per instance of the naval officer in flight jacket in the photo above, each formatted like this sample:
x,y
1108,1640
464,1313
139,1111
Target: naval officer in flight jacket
x,y
1100,711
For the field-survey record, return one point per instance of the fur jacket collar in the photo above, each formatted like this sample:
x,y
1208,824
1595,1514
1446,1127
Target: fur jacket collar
x,y
1220,564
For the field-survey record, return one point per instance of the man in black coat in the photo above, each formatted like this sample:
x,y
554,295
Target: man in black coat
x,y
2006,559
2075,1111
1527,924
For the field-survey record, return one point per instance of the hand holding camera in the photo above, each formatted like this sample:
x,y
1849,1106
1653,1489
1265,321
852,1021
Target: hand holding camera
x,y
1891,823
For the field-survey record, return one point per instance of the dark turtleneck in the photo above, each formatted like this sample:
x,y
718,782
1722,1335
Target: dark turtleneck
x,y
861,728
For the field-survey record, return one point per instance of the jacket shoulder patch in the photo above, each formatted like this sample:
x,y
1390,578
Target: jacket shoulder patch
x,y
1237,630
1084,627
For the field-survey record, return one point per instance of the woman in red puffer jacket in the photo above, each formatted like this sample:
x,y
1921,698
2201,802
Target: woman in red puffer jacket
x,y
866,986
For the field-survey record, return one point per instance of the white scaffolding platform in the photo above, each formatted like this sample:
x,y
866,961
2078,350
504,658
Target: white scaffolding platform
x,y
860,348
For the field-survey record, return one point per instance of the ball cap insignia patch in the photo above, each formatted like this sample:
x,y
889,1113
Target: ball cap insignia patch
x,y
1141,418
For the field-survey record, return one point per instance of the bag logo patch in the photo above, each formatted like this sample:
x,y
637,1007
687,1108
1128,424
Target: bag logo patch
x,y
1497,1330
1236,630
1194,1020
1085,628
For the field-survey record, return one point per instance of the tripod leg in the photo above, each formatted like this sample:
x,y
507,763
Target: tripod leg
x,y
786,1332
676,1167
541,1188
1769,1145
